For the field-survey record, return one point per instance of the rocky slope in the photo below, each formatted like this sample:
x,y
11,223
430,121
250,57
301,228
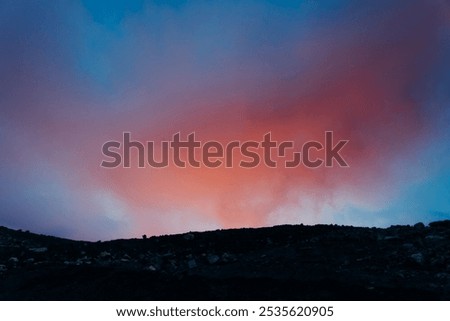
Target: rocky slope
x,y
322,262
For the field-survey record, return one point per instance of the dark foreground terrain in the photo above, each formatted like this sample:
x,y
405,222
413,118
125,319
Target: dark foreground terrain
x,y
322,262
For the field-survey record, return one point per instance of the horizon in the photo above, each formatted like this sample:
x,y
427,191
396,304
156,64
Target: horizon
x,y
76,75
145,236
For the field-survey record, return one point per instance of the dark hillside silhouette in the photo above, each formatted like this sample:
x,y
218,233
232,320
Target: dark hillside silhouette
x,y
321,262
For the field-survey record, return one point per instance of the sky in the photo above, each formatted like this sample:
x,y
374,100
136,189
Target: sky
x,y
76,74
